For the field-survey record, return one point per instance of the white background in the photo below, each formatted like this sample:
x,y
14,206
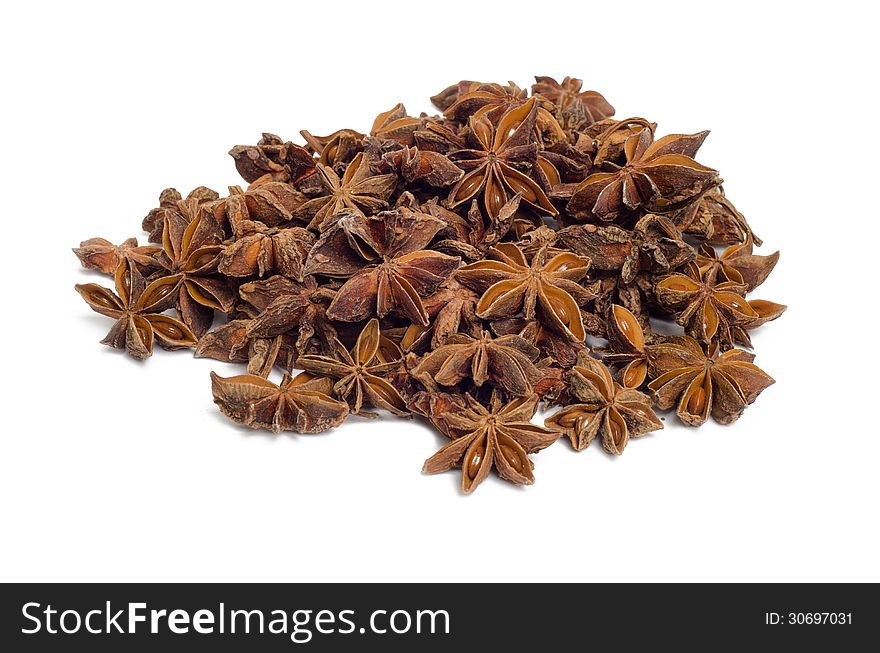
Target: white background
x,y
114,470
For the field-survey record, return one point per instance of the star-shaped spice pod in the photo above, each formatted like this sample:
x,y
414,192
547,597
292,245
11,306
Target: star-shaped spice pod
x,y
656,173
714,312
605,409
507,362
737,263
358,372
259,250
102,255
384,255
358,189
568,92
296,307
698,384
138,320
500,436
546,288
301,404
191,240
491,166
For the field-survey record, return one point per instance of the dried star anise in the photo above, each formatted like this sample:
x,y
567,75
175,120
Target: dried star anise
x,y
736,263
656,174
394,271
358,189
654,246
301,404
259,251
492,165
701,384
593,106
547,288
102,255
191,240
169,206
287,306
272,159
604,408
506,362
138,320
500,436
358,373
713,312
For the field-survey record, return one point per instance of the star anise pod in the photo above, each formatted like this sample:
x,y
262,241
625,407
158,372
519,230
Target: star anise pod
x,y
337,149
546,288
654,246
358,372
627,343
714,217
301,404
102,255
395,124
259,251
507,362
656,173
169,206
492,165
605,408
567,93
736,263
358,189
138,320
713,311
551,343
450,310
415,165
391,269
700,384
191,242
231,343
286,306
272,159
272,203
500,436
471,235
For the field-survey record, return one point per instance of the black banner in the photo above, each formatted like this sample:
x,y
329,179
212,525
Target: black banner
x,y
431,617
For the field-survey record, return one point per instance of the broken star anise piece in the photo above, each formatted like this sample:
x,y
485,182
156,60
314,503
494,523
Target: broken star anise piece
x,y
546,288
138,322
301,404
656,173
627,342
604,408
358,372
701,384
506,361
500,436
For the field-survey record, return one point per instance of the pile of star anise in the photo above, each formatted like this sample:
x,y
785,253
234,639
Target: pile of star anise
x,y
453,267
